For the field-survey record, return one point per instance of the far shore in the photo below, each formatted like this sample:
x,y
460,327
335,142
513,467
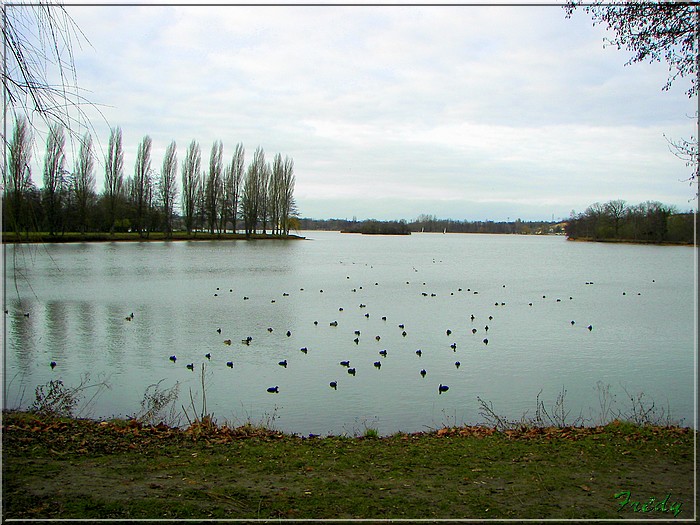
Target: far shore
x,y
74,237
630,241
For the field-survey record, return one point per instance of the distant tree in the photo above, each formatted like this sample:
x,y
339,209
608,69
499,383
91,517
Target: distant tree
x,y
141,184
190,183
83,183
214,185
167,187
54,177
615,211
114,175
17,178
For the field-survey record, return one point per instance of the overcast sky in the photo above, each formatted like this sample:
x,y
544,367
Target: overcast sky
x,y
497,112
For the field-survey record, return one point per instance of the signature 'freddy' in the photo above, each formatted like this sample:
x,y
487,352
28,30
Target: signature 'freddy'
x,y
649,506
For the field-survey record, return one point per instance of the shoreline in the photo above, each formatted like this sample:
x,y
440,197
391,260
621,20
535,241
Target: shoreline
x,y
40,238
630,241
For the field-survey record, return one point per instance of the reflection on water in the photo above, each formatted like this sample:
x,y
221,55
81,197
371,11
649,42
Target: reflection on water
x,y
528,290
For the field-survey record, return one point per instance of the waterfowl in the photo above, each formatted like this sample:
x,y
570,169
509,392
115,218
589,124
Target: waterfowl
x,y
490,317
52,364
269,329
207,355
351,371
173,358
283,363
377,338
377,364
190,366
401,326
227,341
334,323
285,294
357,341
486,341
419,352
333,385
289,334
316,323
340,309
457,364
274,390
218,330
363,305
229,364
357,332
367,316
345,363
443,388
384,318
473,317
454,347
423,372
573,323
403,333
448,331
382,353
473,330
304,350
590,327
486,328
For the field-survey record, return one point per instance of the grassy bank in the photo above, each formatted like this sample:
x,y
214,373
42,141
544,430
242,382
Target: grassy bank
x,y
44,237
69,468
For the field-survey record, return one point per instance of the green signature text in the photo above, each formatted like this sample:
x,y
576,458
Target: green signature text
x,y
650,506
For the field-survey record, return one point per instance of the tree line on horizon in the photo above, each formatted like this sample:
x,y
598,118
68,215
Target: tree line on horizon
x,y
217,198
431,224
649,221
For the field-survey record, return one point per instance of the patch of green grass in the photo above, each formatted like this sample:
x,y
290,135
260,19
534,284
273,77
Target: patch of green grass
x,y
61,468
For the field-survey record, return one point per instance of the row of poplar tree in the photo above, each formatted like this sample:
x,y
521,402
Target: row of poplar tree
x,y
218,198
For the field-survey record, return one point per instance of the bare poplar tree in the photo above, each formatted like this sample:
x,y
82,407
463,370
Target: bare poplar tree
x,y
17,179
233,177
237,169
190,183
83,184
167,187
142,184
263,201
288,205
114,175
54,176
274,194
252,192
213,187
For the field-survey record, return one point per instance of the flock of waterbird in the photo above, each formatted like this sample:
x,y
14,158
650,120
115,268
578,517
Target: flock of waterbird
x,y
382,353
346,364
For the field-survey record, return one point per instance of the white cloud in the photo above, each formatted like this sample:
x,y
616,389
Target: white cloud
x,y
412,109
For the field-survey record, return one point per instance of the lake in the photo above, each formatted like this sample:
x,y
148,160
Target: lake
x,y
537,294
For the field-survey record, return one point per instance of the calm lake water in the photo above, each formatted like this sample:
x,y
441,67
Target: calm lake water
x,y
639,301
